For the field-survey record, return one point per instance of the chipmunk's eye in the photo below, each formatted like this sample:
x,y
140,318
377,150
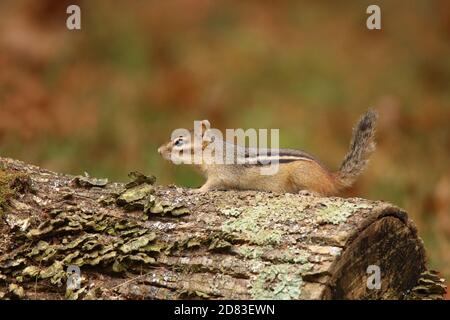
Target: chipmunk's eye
x,y
178,142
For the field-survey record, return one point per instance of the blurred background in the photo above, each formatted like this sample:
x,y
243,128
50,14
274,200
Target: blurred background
x,y
103,98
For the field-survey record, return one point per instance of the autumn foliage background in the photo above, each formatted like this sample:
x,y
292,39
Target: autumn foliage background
x,y
102,99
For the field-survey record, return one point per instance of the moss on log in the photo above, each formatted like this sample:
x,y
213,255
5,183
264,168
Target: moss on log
x,y
141,241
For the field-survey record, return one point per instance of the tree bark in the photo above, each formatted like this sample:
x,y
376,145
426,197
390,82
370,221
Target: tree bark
x,y
142,241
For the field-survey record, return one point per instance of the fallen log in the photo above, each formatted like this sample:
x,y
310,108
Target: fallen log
x,y
142,241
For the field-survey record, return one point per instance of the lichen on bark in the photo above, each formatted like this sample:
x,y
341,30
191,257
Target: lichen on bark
x,y
139,240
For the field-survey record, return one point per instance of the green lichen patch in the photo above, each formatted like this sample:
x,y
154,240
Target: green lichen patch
x,y
15,291
249,229
140,196
337,211
138,179
253,224
250,252
154,247
55,226
277,282
165,208
136,197
261,220
74,294
55,272
121,245
124,262
231,212
218,244
86,249
67,222
88,182
31,271
136,244
193,242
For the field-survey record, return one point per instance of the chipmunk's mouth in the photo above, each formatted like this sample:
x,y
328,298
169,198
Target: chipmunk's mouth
x,y
163,153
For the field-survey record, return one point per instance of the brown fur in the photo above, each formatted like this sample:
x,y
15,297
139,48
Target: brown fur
x,y
303,173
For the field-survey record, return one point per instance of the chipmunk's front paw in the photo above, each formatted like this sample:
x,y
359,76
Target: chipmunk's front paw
x,y
309,193
203,190
199,190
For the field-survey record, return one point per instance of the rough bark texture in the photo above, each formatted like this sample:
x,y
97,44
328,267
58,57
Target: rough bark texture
x,y
144,241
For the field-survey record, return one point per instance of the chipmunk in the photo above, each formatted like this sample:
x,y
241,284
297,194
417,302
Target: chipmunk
x,y
297,169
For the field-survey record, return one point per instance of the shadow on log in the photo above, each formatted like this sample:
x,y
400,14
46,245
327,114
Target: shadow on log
x,y
141,241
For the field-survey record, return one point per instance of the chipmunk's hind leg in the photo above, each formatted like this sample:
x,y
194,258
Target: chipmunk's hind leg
x,y
309,175
209,185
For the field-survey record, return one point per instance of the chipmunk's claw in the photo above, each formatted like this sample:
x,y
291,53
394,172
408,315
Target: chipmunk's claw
x,y
197,191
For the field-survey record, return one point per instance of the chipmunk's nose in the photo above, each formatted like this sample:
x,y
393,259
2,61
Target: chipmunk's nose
x,y
160,150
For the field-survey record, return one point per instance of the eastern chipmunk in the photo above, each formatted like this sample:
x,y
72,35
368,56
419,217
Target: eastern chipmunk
x,y
297,170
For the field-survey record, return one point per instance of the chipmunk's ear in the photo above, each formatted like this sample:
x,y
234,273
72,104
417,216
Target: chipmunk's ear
x,y
207,136
205,125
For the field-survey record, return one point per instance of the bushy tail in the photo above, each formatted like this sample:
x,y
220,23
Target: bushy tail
x,y
361,147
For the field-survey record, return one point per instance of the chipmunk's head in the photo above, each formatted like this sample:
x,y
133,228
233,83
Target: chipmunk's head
x,y
184,144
